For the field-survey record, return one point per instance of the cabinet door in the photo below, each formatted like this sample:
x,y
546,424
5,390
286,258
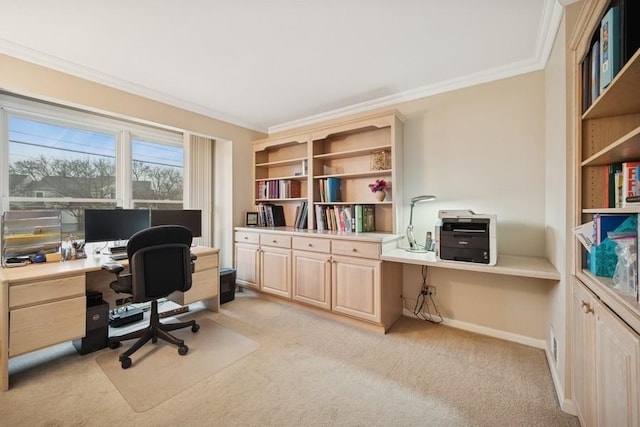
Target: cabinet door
x,y
617,371
312,278
275,271
355,289
247,265
583,363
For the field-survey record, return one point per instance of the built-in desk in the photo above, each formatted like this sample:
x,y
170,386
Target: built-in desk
x,y
45,304
512,265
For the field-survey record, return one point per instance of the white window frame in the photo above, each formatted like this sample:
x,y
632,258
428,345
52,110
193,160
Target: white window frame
x,y
123,131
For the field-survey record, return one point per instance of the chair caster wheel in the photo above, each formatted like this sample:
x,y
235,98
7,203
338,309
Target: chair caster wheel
x,y
114,344
183,350
125,363
195,328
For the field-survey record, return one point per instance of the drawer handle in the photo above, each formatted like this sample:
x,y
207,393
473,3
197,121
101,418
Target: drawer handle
x,y
274,241
586,307
354,250
246,238
310,245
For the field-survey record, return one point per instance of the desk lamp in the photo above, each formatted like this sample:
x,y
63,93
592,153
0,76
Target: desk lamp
x,y
413,245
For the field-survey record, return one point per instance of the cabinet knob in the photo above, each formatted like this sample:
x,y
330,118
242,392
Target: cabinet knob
x,y
586,307
246,238
274,241
354,250
310,245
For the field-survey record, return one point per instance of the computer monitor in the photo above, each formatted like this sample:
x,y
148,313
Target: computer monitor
x,y
107,225
190,218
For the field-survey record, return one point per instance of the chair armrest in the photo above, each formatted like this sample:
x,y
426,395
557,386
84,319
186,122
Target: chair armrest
x,y
113,267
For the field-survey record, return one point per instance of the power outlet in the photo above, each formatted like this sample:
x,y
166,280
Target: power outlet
x,y
431,290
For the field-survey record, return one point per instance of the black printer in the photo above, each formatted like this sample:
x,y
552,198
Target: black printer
x,y
467,237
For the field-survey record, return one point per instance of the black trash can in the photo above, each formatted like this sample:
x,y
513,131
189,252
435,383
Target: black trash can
x,y
227,284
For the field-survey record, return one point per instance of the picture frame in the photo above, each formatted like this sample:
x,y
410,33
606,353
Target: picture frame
x,y
251,219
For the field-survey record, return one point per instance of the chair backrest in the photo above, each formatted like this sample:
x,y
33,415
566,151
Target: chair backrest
x,y
160,261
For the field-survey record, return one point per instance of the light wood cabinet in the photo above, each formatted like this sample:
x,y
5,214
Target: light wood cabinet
x,y
247,259
604,324
312,271
264,263
605,364
338,274
275,271
356,287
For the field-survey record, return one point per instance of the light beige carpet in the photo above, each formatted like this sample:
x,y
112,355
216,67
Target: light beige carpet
x,y
158,372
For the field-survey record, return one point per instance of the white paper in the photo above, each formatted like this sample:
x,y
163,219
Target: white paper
x,y
584,233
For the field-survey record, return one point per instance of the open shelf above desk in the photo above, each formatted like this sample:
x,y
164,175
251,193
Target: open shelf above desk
x,y
511,265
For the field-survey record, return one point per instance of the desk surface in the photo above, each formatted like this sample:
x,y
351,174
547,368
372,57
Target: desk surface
x,y
511,265
62,268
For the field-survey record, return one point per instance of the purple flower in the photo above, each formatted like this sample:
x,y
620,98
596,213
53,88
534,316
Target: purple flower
x,y
379,185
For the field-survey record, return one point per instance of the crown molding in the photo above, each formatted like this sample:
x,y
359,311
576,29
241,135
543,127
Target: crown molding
x,y
49,61
552,11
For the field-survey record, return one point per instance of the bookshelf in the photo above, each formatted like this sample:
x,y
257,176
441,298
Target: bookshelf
x,y
605,324
355,151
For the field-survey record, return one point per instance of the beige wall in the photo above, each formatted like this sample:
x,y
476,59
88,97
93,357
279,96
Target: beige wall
x,y
24,78
559,183
483,148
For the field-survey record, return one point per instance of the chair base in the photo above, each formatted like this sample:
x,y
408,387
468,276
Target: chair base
x,y
152,332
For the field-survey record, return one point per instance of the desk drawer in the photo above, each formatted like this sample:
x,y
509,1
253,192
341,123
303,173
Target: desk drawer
x,y
357,249
43,325
46,290
245,237
276,240
311,244
206,262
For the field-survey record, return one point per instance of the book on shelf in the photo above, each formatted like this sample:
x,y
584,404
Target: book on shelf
x,y
270,215
333,190
278,189
614,185
301,216
630,183
368,218
610,46
594,74
320,222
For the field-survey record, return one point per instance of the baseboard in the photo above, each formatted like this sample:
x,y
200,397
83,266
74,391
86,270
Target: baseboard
x,y
565,403
507,336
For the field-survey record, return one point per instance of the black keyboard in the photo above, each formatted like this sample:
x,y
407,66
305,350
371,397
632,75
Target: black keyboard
x,y
118,257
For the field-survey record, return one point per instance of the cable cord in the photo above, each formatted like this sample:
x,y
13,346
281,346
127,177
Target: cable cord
x,y
422,302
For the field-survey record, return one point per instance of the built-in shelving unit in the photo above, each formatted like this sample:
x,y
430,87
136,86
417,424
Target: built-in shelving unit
x,y
340,149
605,323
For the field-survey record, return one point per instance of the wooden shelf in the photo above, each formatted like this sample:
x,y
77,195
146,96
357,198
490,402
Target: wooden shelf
x,y
624,149
356,174
621,96
287,162
352,153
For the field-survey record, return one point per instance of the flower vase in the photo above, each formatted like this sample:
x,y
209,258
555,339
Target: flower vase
x,y
380,195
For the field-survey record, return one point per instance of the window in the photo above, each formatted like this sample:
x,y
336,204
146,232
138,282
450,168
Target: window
x,y
157,174
64,159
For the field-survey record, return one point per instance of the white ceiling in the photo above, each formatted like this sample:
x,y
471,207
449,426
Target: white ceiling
x,y
274,64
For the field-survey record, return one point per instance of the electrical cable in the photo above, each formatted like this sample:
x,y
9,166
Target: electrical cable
x,y
422,302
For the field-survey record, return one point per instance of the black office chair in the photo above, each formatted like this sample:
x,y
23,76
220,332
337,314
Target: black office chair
x,y
160,262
